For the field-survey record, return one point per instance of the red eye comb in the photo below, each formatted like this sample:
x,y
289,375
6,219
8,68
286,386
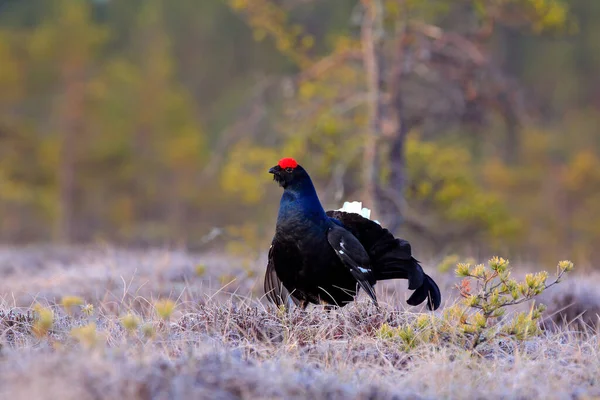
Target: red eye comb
x,y
287,163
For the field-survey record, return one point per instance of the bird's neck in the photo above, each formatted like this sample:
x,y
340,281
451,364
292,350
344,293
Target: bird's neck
x,y
300,204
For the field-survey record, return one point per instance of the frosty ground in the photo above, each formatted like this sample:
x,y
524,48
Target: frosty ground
x,y
223,341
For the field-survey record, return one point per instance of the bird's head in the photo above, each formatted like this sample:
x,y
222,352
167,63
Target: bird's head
x,y
288,172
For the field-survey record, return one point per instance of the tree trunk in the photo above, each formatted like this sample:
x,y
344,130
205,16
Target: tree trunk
x,y
511,153
70,125
397,153
373,63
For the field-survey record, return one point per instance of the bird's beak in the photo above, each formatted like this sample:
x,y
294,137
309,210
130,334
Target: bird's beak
x,y
277,175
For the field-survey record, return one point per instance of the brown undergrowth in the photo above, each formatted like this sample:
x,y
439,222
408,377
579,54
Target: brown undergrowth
x,y
167,333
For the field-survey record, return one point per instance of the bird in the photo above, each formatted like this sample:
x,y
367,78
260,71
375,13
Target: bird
x,y
323,258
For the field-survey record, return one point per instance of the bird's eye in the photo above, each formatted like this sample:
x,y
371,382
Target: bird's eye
x,y
288,169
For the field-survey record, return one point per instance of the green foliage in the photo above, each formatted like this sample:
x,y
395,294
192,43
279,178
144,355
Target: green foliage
x,y
244,174
267,18
480,316
71,302
545,14
11,75
130,322
43,321
165,308
87,309
554,199
200,270
174,110
148,330
442,182
408,336
489,290
88,335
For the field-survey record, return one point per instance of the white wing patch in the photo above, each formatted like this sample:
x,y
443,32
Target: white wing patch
x,y
355,207
361,269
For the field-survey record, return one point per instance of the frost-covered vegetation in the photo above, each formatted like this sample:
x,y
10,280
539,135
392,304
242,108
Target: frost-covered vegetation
x,y
468,127
108,323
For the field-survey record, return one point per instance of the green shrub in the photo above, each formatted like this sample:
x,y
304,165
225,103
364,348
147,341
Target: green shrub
x,y
486,292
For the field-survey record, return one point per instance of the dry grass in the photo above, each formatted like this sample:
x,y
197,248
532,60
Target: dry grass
x,y
223,342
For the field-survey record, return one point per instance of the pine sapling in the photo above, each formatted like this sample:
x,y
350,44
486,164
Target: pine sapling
x,y
489,290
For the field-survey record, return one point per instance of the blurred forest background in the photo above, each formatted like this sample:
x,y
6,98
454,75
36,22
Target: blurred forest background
x,y
467,125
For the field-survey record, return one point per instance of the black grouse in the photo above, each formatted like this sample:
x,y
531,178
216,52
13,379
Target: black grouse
x,y
319,257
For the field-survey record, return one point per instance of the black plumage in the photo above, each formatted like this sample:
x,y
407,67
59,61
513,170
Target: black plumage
x,y
321,257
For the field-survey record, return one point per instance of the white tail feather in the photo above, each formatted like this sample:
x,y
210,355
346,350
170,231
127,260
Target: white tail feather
x,y
356,207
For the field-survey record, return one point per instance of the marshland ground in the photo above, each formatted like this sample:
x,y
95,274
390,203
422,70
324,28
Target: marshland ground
x,y
155,122
115,334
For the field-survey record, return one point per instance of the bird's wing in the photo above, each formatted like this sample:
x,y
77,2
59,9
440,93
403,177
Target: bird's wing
x,y
274,289
391,258
354,256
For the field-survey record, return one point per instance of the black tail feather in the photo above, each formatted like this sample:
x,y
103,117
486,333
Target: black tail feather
x,y
426,288
391,258
429,291
392,267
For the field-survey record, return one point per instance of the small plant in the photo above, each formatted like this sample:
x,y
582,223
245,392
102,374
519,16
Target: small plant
x,y
130,322
44,320
69,302
87,335
387,332
421,330
282,311
489,290
200,270
148,330
486,292
87,309
164,308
